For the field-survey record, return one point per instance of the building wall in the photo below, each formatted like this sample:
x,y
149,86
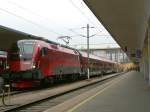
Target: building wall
x,y
145,60
115,54
99,53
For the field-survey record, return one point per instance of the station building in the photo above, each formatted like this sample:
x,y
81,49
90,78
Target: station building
x,y
112,52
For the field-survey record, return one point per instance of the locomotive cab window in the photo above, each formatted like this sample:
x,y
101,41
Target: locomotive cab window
x,y
22,51
28,49
44,51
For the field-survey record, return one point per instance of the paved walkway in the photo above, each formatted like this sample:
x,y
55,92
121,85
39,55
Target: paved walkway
x,y
128,93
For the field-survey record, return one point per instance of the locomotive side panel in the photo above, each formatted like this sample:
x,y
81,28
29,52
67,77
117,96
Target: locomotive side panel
x,y
59,63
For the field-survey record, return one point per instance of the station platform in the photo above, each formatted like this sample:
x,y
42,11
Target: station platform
x,y
127,93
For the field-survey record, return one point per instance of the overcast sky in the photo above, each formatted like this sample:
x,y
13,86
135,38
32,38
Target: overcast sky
x,y
52,19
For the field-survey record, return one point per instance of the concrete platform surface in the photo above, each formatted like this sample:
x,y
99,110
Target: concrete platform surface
x,y
127,93
29,97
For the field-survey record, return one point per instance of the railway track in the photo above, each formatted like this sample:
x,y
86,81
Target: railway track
x,y
49,102
15,92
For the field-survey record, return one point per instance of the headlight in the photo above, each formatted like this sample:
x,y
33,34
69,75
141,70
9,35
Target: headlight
x,y
33,65
20,55
7,67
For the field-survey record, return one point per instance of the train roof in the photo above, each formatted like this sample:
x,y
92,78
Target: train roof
x,y
55,43
91,56
54,46
48,41
3,54
67,49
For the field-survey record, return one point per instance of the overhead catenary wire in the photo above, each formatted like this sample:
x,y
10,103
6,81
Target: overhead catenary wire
x,y
102,28
29,21
73,4
33,13
105,45
84,15
41,26
95,44
21,7
76,33
96,34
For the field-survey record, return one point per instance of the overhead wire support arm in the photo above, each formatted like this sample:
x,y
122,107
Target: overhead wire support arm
x,y
77,34
93,35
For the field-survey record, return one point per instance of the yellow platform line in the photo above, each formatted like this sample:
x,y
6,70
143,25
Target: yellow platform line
x,y
98,93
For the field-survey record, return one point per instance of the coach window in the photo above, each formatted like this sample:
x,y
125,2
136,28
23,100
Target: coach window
x,y
44,51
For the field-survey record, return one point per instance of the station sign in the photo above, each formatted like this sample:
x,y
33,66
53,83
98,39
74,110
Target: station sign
x,y
138,53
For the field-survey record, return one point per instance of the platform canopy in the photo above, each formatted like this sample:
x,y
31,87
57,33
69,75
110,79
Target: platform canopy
x,y
9,36
125,20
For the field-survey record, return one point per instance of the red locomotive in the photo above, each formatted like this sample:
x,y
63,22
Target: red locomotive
x,y
35,62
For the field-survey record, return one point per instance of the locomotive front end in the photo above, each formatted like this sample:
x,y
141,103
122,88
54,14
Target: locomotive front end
x,y
21,61
20,56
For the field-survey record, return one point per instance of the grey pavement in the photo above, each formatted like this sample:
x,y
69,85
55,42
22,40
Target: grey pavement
x,y
131,94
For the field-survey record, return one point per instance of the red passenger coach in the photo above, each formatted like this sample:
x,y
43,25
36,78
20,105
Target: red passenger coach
x,y
33,62
97,65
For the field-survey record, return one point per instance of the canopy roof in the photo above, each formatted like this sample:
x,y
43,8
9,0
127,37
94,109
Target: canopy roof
x,y
125,20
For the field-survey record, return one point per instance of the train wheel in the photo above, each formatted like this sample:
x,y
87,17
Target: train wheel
x,y
74,77
47,81
51,80
42,83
